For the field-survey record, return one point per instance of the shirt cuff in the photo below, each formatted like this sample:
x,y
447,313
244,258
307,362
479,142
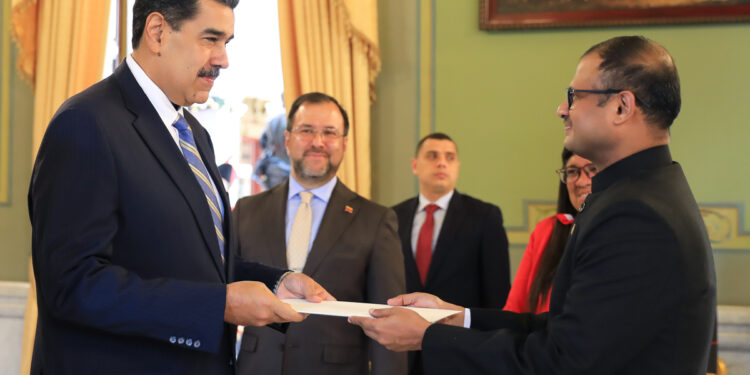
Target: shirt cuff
x,y
467,318
278,282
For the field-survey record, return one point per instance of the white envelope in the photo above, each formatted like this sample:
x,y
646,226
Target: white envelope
x,y
347,309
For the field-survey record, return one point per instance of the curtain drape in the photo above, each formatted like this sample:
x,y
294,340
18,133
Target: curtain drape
x,y
331,46
62,46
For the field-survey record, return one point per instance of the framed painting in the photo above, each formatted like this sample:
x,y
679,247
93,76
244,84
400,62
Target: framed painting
x,y
535,14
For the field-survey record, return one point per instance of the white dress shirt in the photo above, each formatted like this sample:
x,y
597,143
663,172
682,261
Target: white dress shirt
x,y
421,215
165,109
318,204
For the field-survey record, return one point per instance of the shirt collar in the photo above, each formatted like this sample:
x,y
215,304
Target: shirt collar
x,y
322,192
155,95
643,161
441,202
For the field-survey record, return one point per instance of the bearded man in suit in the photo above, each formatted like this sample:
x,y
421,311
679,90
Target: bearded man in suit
x,y
315,225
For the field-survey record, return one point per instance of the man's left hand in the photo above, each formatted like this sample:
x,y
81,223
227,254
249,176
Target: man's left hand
x,y
299,285
397,329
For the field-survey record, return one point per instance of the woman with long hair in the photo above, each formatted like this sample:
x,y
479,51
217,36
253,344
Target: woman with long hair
x,y
533,282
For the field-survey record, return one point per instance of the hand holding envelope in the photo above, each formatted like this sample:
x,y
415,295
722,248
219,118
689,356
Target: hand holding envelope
x,y
251,303
398,326
349,309
401,329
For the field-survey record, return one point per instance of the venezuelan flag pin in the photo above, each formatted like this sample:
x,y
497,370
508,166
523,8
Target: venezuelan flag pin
x,y
349,209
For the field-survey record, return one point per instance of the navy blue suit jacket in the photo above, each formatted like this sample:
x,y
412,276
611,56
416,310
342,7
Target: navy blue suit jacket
x,y
128,268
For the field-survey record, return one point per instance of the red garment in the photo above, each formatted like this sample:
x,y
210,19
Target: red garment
x,y
519,291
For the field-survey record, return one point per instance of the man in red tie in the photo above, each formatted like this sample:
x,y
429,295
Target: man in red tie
x,y
454,245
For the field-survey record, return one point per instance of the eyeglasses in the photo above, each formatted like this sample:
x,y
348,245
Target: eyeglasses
x,y
572,174
308,134
571,95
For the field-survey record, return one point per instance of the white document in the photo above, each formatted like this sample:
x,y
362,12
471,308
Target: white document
x,y
347,309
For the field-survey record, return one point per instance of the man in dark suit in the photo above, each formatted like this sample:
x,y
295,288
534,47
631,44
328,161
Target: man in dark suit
x,y
454,245
467,258
131,240
635,291
314,224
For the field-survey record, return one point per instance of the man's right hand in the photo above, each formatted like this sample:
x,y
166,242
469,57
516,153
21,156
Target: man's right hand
x,y
432,302
250,303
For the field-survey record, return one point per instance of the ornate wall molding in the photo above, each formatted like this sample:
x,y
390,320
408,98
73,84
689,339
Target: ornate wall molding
x,y
724,222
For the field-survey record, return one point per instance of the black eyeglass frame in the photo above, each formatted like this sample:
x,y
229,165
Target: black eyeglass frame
x,y
563,172
571,91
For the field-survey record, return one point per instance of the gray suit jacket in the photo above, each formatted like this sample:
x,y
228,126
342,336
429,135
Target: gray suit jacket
x,y
356,256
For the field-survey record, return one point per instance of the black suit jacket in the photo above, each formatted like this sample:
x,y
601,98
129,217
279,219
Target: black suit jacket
x,y
634,292
356,256
470,264
128,268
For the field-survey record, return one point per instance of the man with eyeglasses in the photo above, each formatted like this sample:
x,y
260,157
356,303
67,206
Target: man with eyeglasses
x,y
635,291
314,224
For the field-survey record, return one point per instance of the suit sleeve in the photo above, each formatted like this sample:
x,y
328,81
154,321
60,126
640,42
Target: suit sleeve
x,y
246,270
73,205
623,289
495,265
385,279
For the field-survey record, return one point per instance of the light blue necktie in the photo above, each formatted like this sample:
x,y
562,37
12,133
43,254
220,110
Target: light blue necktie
x,y
193,157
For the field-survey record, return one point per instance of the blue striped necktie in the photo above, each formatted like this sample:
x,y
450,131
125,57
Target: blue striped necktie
x,y
193,157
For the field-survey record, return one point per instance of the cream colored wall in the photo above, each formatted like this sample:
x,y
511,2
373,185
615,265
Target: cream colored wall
x,y
496,94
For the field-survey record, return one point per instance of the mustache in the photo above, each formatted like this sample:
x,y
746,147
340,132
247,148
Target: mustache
x,y
211,73
315,149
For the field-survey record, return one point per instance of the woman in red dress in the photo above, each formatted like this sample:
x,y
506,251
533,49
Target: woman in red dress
x,y
533,282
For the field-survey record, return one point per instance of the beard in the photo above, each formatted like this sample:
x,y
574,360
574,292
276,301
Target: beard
x,y
308,173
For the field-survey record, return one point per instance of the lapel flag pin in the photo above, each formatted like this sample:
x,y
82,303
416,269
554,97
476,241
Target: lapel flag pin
x,y
349,209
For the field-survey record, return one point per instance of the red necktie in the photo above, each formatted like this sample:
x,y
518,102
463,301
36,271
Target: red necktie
x,y
424,242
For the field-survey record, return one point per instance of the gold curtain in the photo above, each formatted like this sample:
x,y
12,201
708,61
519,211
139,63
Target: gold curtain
x,y
331,46
62,46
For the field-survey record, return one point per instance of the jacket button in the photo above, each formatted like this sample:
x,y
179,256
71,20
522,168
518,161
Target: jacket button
x,y
173,339
197,344
181,340
189,342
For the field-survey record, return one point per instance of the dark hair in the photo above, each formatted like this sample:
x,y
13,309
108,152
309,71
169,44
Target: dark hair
x,y
174,12
441,136
644,67
545,274
315,97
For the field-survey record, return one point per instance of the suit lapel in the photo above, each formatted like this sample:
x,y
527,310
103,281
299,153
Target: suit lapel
x,y
149,126
407,225
446,238
335,221
277,201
